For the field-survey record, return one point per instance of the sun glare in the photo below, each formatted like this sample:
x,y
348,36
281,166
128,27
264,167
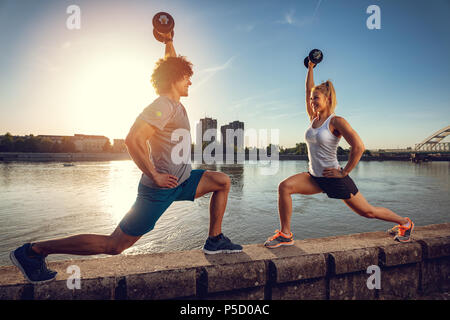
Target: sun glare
x,y
112,89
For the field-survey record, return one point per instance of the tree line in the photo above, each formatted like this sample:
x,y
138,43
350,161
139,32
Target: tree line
x,y
302,149
31,143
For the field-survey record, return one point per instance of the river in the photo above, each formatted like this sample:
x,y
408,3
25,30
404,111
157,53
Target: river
x,y
40,201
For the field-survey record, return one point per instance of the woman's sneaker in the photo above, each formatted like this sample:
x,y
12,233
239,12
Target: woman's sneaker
x,y
404,233
31,264
220,244
279,240
393,231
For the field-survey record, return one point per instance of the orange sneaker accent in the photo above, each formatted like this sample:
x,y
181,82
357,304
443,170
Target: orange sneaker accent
x,y
393,231
279,243
279,233
404,233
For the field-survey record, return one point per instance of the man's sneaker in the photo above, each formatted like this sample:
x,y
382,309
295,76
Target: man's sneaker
x,y
278,240
32,266
220,244
404,233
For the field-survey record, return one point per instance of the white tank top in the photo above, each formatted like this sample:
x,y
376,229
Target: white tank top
x,y
322,148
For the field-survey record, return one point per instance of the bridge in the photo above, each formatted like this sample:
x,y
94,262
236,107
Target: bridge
x,y
429,149
432,143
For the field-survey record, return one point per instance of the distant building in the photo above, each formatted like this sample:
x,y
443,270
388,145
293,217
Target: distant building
x,y
119,145
88,143
204,125
55,139
236,143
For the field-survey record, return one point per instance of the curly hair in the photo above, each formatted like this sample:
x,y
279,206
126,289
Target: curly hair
x,y
170,70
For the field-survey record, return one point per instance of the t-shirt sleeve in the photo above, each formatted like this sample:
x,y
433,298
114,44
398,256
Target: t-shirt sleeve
x,y
158,113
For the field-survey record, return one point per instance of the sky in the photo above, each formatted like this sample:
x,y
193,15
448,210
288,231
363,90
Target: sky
x,y
392,84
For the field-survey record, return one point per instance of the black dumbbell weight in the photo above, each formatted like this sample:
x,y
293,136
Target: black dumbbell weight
x,y
163,23
315,56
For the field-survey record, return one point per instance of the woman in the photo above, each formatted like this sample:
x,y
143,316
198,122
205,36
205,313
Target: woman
x,y
325,174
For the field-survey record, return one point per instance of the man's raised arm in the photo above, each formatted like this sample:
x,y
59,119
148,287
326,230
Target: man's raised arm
x,y
170,50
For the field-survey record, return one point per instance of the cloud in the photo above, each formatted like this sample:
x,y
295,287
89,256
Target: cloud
x,y
260,106
317,9
289,115
254,100
215,69
208,73
289,18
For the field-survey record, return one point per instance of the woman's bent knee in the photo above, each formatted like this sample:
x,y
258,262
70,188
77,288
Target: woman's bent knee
x,y
285,187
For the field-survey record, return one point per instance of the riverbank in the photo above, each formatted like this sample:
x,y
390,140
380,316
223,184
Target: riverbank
x,y
71,157
61,157
332,268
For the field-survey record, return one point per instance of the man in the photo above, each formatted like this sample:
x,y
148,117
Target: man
x,y
164,179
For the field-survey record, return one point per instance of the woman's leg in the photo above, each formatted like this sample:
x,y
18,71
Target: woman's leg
x,y
301,183
360,205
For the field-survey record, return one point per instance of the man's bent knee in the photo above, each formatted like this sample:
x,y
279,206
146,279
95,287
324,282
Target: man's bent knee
x,y
224,181
116,248
119,241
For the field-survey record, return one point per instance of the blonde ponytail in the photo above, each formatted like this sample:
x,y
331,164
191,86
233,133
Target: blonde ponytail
x,y
327,89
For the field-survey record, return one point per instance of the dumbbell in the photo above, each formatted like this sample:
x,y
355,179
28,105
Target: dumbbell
x,y
163,23
315,56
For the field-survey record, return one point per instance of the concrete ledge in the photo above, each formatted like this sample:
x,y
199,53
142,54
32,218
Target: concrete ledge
x,y
299,268
353,260
236,276
400,282
436,247
167,284
350,286
324,268
394,255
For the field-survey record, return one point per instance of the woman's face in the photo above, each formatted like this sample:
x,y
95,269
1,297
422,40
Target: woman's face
x,y
318,101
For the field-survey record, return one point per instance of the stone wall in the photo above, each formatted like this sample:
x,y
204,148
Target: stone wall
x,y
332,268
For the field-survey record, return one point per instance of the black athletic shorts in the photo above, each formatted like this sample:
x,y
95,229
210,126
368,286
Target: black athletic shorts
x,y
337,188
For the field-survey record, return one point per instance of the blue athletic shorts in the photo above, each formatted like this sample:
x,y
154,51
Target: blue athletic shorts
x,y
151,204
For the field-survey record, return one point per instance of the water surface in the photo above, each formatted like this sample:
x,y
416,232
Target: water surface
x,y
40,201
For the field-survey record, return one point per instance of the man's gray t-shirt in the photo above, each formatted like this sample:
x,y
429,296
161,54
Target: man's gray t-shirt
x,y
172,129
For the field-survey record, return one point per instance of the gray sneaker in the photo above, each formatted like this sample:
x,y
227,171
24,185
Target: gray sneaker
x,y
220,244
279,240
33,268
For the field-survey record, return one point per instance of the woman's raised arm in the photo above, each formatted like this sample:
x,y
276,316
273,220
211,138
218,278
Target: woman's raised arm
x,y
309,85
